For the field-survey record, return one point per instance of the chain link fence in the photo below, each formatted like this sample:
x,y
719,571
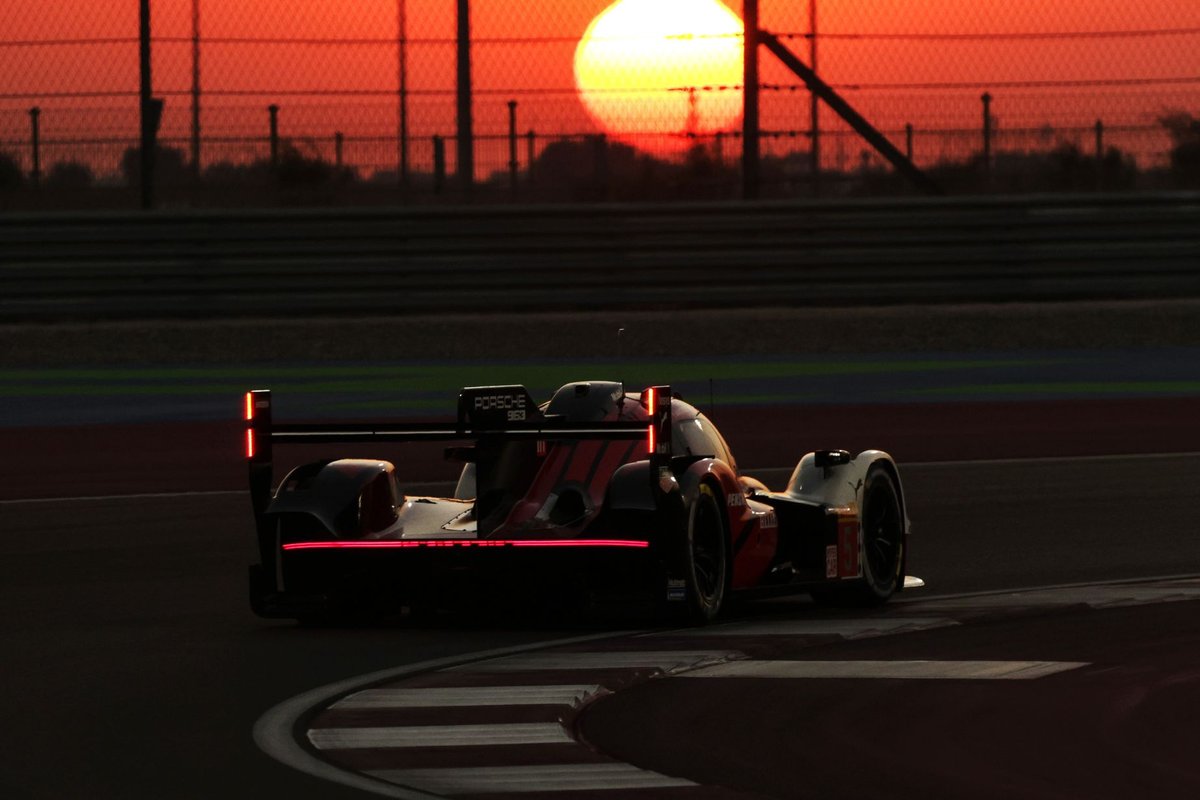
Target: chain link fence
x,y
309,102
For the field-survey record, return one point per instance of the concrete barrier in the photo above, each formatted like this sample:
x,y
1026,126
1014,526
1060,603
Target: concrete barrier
x,y
345,262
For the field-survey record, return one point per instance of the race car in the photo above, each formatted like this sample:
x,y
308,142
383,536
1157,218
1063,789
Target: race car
x,y
596,487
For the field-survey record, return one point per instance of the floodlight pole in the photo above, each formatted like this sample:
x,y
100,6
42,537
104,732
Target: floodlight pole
x,y
147,100
466,137
196,89
750,100
402,81
814,102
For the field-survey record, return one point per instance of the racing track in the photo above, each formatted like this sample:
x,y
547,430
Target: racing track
x,y
133,668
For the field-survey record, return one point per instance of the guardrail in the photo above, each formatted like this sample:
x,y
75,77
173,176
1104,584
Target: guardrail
x,y
472,259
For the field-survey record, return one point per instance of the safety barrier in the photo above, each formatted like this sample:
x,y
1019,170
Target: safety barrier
x,y
347,262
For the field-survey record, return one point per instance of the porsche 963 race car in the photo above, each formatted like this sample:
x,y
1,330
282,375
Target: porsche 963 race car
x,y
596,486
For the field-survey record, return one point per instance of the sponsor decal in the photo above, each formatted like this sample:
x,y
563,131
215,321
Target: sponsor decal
x,y
769,521
736,499
831,561
676,589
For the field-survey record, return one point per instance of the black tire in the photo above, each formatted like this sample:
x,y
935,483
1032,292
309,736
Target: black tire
x,y
883,538
883,546
707,572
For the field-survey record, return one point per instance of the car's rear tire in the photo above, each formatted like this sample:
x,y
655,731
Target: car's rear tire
x,y
707,572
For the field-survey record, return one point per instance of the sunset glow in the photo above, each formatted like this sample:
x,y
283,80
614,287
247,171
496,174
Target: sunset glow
x,y
662,66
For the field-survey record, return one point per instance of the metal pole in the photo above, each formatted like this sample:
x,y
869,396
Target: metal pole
x,y
814,102
273,111
512,145
35,114
466,137
987,135
750,100
146,101
847,112
196,89
402,81
601,164
530,152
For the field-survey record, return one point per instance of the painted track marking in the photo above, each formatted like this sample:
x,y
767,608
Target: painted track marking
x,y
544,778
664,660
439,736
845,628
469,696
907,670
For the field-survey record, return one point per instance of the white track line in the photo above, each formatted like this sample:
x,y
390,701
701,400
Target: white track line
x,y
516,733
543,778
571,695
274,732
907,670
665,660
1092,596
846,628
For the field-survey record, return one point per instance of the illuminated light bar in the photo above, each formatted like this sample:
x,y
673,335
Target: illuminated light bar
x,y
651,436
249,407
249,443
393,544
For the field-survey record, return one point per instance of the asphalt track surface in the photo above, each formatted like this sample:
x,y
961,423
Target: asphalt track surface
x,y
133,668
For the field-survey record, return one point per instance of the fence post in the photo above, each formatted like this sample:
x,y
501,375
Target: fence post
x,y
273,111
530,153
35,114
600,142
439,164
338,140
987,136
908,140
512,145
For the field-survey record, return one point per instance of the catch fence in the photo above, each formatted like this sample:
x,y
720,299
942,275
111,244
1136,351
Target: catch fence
x,y
1088,95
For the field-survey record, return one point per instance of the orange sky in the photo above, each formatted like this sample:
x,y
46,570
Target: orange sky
x,y
277,72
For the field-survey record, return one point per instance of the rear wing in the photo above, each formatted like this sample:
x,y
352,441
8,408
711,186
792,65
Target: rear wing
x,y
484,412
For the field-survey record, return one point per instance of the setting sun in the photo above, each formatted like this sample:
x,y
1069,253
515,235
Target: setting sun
x,y
658,66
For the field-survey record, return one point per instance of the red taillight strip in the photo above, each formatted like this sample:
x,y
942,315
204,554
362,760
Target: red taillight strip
x,y
393,544
249,443
249,406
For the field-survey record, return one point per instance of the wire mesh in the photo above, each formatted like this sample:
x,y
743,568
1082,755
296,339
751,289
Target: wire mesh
x,y
637,98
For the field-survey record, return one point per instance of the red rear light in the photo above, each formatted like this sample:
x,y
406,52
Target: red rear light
x,y
651,438
249,443
249,406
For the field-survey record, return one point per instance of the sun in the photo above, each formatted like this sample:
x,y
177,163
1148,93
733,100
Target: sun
x,y
666,67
